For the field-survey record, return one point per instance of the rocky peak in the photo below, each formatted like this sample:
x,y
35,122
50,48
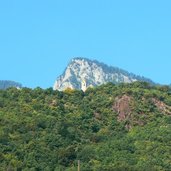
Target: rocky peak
x,y
82,73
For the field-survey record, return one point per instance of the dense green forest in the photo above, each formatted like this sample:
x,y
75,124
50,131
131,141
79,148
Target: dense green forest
x,y
124,127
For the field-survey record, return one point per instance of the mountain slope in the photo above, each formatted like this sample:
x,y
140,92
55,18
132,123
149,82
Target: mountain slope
x,y
4,84
82,73
124,127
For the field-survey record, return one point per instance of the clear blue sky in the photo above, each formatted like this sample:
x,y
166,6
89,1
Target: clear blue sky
x,y
39,37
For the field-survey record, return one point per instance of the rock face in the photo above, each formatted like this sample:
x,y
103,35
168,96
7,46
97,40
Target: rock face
x,y
82,73
122,106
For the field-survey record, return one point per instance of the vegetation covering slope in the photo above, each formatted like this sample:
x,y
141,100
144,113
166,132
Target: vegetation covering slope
x,y
124,127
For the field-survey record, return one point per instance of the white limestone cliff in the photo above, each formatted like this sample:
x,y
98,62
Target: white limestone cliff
x,y
82,73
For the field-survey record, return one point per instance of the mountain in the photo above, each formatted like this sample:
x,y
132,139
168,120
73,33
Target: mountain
x,y
82,73
4,84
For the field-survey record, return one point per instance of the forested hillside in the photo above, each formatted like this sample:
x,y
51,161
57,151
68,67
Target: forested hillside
x,y
124,127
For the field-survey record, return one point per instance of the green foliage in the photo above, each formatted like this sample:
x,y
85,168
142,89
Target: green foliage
x,y
51,130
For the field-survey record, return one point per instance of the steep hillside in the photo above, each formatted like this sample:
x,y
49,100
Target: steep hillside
x,y
82,73
124,127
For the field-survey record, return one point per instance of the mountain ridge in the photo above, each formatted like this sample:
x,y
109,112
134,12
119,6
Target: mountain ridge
x,y
4,84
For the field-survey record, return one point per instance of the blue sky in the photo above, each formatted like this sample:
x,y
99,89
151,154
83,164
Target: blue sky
x,y
39,37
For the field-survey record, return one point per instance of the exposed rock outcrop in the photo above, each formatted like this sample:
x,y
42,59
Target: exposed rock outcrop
x,y
82,73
